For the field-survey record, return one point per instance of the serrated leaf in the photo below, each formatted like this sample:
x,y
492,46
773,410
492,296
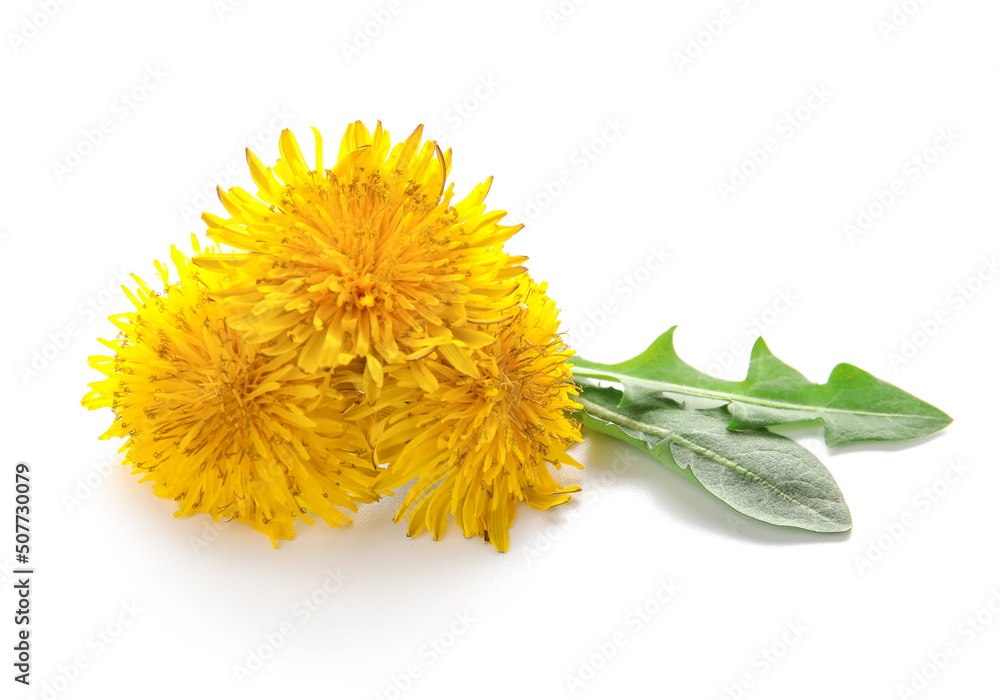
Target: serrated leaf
x,y
759,473
854,405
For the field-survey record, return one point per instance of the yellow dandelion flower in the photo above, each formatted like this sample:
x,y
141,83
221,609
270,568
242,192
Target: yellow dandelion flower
x,y
370,258
478,446
219,427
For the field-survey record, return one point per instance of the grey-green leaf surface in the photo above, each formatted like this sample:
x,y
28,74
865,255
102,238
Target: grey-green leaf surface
x,y
757,472
854,405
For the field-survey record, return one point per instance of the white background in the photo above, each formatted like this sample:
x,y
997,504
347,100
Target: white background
x,y
856,614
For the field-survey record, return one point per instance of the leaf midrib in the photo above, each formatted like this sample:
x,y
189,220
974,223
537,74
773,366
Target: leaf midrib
x,y
621,420
688,390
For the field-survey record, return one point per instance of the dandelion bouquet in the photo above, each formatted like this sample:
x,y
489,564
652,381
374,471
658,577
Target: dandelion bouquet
x,y
358,329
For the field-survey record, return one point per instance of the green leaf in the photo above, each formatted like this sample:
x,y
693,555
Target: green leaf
x,y
757,472
854,405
